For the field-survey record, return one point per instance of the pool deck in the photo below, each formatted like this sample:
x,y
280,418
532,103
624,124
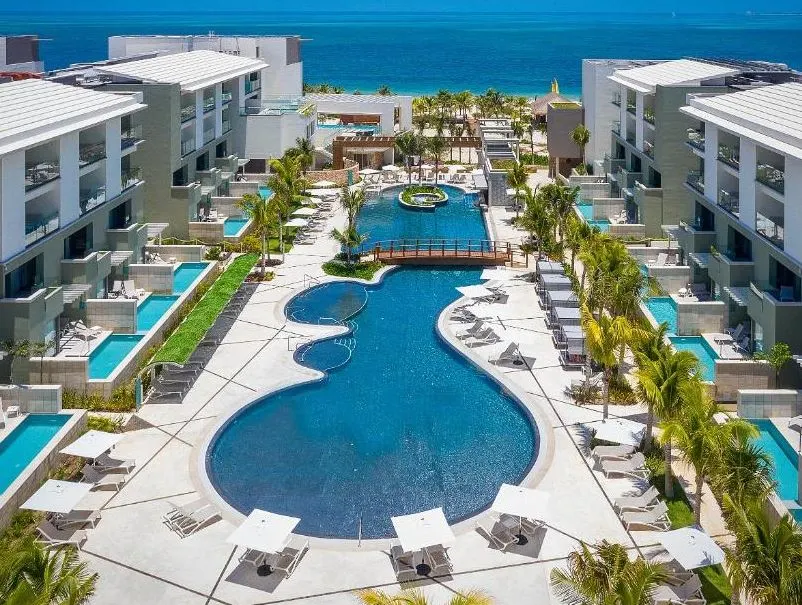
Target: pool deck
x,y
139,560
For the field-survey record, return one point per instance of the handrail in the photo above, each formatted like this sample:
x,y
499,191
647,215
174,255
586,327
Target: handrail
x,y
438,248
312,279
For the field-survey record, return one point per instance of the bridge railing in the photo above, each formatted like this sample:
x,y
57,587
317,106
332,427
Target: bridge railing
x,y
405,248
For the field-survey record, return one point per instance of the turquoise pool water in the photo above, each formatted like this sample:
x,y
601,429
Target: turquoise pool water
x,y
24,443
587,213
185,275
664,310
404,424
363,127
233,225
785,461
151,310
104,359
704,353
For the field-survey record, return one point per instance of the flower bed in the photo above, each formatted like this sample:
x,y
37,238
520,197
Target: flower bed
x,y
422,197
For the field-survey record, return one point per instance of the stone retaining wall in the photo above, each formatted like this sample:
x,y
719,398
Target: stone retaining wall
x,y
208,232
628,230
769,403
32,398
737,375
153,277
115,314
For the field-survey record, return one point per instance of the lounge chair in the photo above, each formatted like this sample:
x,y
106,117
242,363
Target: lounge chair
x,y
642,501
181,510
439,559
499,535
51,537
472,331
106,463
402,564
655,518
116,289
130,290
187,524
737,332
483,337
743,345
661,260
253,557
98,480
77,517
687,593
289,558
509,355
612,452
631,467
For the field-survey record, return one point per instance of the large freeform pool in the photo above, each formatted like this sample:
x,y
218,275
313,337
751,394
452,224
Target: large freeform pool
x,y
402,423
24,443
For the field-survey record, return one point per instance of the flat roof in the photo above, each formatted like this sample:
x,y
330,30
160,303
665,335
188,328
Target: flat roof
x,y
192,70
670,73
768,115
318,97
33,111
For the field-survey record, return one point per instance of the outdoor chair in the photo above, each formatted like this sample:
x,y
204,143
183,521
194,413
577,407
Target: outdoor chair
x,y
642,501
98,480
50,536
687,593
509,355
631,467
76,517
612,452
499,535
253,557
438,559
289,558
473,330
655,518
106,463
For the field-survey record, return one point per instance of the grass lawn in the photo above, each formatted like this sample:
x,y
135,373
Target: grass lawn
x,y
180,345
715,585
364,270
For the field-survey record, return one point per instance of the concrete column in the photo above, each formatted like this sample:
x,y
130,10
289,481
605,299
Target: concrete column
x,y
218,109
69,183
746,184
623,112
241,92
639,120
793,209
113,157
12,204
711,162
198,118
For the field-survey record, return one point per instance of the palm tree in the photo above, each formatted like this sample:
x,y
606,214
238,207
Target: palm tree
x,y
536,219
264,215
700,439
576,232
288,186
517,177
305,152
518,129
581,136
352,200
435,146
605,575
463,101
408,144
444,102
349,238
416,597
604,338
745,472
384,91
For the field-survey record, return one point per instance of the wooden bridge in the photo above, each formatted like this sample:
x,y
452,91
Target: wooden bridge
x,y
441,252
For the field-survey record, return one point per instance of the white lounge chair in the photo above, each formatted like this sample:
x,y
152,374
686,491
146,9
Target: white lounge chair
x,y
612,452
631,467
499,535
77,517
687,593
116,289
655,518
98,480
253,557
661,260
509,355
483,337
182,510
186,525
402,564
289,558
106,463
472,331
51,537
640,502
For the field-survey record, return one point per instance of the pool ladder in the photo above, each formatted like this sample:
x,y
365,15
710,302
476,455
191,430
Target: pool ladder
x,y
310,280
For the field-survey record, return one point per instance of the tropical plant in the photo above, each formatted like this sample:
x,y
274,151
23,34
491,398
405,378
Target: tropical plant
x,y
745,472
517,177
435,146
408,145
304,151
604,338
288,185
463,101
352,200
537,220
349,239
561,199
605,575
581,136
384,91
576,232
416,597
778,355
264,215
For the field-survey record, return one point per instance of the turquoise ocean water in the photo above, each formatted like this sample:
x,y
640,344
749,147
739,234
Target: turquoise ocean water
x,y
420,53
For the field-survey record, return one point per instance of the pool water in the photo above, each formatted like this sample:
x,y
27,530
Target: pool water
x,y
151,310
105,358
703,351
383,218
587,213
406,424
24,443
185,275
785,461
664,310
233,225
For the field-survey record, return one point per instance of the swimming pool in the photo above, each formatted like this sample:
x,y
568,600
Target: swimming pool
x,y
384,218
404,425
185,275
151,310
24,443
703,351
233,225
105,358
664,310
586,209
785,461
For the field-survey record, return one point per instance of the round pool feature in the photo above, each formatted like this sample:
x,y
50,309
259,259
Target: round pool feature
x,y
406,424
333,302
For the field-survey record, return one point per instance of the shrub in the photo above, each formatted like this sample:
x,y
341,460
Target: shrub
x,y
104,423
122,399
408,194
213,253
364,270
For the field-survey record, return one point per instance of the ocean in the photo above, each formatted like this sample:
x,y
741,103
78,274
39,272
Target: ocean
x,y
420,53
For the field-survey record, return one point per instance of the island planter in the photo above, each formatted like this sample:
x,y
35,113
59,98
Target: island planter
x,y
422,197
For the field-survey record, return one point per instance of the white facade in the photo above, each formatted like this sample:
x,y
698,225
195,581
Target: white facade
x,y
383,106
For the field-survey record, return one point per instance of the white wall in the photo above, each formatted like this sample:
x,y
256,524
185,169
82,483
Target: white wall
x,y
113,156
597,96
270,136
12,205
793,209
69,183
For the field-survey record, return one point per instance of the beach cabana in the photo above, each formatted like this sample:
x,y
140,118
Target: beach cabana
x,y
569,336
560,298
553,281
549,266
566,316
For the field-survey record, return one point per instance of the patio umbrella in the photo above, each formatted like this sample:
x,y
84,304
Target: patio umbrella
x,y
304,212
296,222
92,444
521,502
474,291
498,274
419,530
620,430
57,496
691,547
391,168
369,171
324,184
264,531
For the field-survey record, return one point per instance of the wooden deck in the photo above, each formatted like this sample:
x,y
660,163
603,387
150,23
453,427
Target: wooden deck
x,y
443,252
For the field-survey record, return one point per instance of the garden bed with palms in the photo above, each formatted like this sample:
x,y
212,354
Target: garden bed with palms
x,y
422,197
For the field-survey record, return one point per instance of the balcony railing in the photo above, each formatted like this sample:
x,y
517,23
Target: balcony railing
x,y
226,97
208,104
91,198
91,153
772,228
187,113
696,180
129,178
696,139
616,127
208,135
36,227
130,137
729,201
40,174
187,146
616,100
730,156
226,126
631,107
252,85
771,177
648,149
785,294
648,114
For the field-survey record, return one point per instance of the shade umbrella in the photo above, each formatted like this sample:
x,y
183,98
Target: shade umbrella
x,y
474,291
498,274
324,184
264,531
521,502
369,171
419,530
92,444
296,222
59,497
691,547
304,212
391,168
620,430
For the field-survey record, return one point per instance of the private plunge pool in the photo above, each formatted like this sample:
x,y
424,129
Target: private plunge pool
x,y
703,351
785,461
233,225
23,444
400,423
586,210
664,310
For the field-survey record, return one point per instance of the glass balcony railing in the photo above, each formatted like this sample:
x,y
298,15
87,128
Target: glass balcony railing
x,y
771,177
616,100
208,135
730,156
208,104
187,146
696,139
130,137
785,294
36,227
40,174
91,198
226,126
631,107
729,201
648,114
91,153
226,97
129,178
252,85
648,149
696,180
616,127
772,228
187,113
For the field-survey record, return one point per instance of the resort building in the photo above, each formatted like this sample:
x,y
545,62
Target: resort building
x,y
70,201
498,152
744,182
19,54
562,117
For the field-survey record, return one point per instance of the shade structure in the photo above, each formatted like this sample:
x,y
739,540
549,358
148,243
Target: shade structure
x,y
390,168
296,222
620,430
419,530
498,274
92,444
312,200
691,547
521,501
57,496
369,171
263,531
304,212
474,291
324,184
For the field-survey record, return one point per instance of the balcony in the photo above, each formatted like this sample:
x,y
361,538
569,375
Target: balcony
x,y
696,139
226,97
648,149
208,104
40,174
631,138
729,156
772,177
187,147
631,107
648,115
91,198
774,309
226,126
616,100
130,178
729,201
187,113
771,228
37,227
39,306
727,269
696,238
208,135
130,137
696,180
252,85
91,153
616,128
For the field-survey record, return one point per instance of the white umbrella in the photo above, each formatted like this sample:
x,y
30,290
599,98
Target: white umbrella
x,y
92,444
620,430
498,274
263,531
391,168
474,291
369,171
312,200
57,496
691,547
304,212
324,184
521,502
419,530
296,222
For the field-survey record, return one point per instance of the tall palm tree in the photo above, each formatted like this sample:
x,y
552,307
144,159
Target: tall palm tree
x,y
305,152
605,575
384,91
700,439
416,597
604,338
264,215
536,220
444,102
517,177
576,232
746,472
352,200
463,101
408,144
288,185
435,146
581,136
